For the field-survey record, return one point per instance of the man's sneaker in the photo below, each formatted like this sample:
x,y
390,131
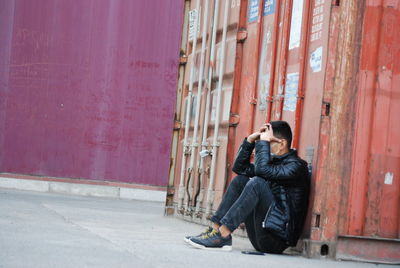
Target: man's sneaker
x,y
206,232
212,241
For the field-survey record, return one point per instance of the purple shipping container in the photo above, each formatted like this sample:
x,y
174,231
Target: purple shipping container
x,y
88,88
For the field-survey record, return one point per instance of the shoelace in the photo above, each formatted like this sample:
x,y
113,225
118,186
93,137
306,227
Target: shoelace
x,y
206,232
210,234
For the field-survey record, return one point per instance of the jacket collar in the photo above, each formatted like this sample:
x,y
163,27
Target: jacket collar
x,y
281,157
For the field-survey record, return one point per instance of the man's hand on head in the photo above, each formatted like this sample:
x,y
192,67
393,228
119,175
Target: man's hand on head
x,y
253,137
267,134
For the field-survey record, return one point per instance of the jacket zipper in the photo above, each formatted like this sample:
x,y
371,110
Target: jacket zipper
x,y
266,216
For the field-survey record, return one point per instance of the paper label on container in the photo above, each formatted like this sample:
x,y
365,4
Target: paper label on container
x,y
292,84
295,25
193,20
235,3
316,60
269,7
264,89
389,178
254,6
317,20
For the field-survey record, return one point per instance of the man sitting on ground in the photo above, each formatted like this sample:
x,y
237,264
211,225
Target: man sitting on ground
x,y
269,196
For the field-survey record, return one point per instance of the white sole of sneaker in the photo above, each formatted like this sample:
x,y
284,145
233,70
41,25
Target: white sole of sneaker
x,y
187,240
224,248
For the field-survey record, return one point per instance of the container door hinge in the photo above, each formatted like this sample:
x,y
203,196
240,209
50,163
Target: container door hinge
x,y
241,35
177,125
326,108
234,120
183,59
253,101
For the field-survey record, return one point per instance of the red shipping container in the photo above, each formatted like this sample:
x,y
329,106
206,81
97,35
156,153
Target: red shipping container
x,y
329,68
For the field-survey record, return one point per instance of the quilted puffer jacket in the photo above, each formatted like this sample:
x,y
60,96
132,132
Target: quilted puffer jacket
x,y
289,180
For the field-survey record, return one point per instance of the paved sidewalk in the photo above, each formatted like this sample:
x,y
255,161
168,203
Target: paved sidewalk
x,y
52,230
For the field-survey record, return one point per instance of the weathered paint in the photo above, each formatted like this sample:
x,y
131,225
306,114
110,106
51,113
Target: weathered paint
x,y
318,188
275,63
342,114
368,249
196,194
336,134
258,76
88,88
357,199
374,197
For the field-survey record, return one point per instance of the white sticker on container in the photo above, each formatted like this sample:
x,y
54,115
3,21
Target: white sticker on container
x,y
389,178
295,28
235,3
316,60
253,9
193,15
269,7
291,87
264,90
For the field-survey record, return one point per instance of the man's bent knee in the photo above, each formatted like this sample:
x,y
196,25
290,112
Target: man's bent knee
x,y
240,180
257,181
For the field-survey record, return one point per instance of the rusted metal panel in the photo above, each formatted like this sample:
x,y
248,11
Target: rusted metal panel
x,y
284,54
359,212
319,189
88,88
368,249
210,72
331,184
329,69
247,100
259,74
169,204
374,204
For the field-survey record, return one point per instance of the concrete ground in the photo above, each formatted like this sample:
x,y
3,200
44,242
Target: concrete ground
x,y
53,230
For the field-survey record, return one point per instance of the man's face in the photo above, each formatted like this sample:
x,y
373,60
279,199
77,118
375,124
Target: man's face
x,y
278,148
274,147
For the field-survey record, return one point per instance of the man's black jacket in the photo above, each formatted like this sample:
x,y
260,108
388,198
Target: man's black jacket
x,y
288,177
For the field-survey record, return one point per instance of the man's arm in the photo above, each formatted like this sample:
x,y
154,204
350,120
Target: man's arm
x,y
242,165
282,174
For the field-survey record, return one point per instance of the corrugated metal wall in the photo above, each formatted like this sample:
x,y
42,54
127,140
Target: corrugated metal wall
x,y
269,57
204,119
372,227
375,189
88,88
328,68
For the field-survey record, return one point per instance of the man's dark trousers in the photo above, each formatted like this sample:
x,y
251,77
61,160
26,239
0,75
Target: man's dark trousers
x,y
248,200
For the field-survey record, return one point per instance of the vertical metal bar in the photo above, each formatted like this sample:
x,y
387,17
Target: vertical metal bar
x,y
215,145
257,56
234,115
303,66
175,138
204,143
284,55
273,64
334,185
181,194
198,100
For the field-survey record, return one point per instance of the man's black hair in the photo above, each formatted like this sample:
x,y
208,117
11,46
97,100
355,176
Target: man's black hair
x,y
282,131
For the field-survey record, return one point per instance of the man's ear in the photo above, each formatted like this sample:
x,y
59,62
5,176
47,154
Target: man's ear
x,y
284,143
